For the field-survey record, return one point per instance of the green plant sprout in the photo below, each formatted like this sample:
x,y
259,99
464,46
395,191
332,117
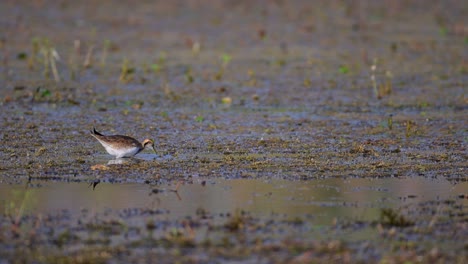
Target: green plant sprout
x,y
75,53
343,69
34,53
156,68
45,51
252,77
408,128
159,65
22,56
162,58
50,57
390,122
189,75
88,62
105,52
225,60
53,58
381,88
391,217
126,72
199,118
373,79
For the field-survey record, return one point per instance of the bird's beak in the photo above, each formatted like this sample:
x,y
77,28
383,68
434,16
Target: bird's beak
x,y
154,149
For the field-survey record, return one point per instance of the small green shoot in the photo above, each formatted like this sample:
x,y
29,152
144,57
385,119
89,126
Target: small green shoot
x,y
391,217
390,122
373,79
343,69
252,77
22,56
281,62
383,88
34,53
126,72
189,75
45,93
251,73
53,58
164,114
443,31
199,118
408,128
156,68
219,75
162,58
88,62
169,93
49,58
226,59
386,87
105,51
45,51
75,53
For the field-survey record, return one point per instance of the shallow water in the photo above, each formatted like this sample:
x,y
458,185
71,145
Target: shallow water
x,y
322,200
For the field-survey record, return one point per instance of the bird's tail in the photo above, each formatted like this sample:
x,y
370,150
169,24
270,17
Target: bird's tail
x,y
94,132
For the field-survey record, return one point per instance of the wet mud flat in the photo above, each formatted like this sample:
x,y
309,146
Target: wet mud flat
x,y
302,99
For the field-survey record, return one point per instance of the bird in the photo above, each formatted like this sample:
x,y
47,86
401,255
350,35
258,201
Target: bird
x,y
122,146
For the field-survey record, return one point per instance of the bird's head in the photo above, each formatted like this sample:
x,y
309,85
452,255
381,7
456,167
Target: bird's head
x,y
149,143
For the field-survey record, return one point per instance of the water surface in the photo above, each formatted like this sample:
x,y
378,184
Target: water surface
x,y
322,200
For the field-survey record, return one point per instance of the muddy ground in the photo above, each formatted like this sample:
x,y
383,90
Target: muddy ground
x,y
295,90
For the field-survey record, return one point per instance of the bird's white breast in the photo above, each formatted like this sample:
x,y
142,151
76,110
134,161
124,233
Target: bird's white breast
x,y
123,152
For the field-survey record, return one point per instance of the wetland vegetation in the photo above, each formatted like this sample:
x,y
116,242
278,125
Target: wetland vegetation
x,y
285,131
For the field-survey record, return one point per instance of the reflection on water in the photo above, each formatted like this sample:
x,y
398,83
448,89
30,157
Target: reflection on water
x,y
104,159
321,200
